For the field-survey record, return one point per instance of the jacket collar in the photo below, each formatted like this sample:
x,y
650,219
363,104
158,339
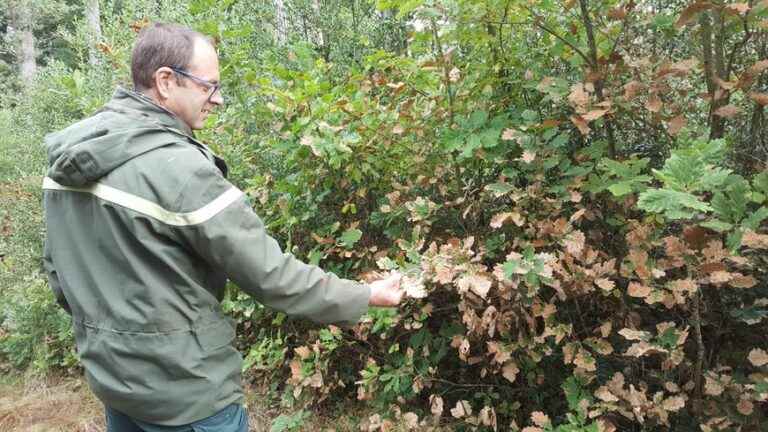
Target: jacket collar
x,y
135,103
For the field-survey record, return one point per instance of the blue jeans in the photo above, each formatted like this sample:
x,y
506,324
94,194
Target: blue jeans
x,y
233,418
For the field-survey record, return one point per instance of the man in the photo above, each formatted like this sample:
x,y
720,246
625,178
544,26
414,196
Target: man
x,y
143,230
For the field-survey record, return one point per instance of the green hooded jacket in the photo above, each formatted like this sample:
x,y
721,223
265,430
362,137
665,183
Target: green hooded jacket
x,y
143,230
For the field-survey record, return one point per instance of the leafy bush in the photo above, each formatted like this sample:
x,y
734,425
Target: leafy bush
x,y
582,242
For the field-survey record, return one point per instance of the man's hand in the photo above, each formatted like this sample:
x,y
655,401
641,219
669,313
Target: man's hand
x,y
386,292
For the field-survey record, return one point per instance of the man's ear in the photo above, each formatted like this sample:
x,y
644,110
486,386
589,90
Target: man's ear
x,y
164,80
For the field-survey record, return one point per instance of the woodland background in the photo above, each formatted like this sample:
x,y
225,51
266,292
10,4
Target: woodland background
x,y
576,191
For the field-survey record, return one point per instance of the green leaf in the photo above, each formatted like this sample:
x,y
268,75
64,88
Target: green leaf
x,y
672,203
754,220
621,188
350,237
500,189
717,225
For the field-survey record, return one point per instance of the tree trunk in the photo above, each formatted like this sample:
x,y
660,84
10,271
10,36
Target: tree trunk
x,y
21,19
281,24
92,18
714,68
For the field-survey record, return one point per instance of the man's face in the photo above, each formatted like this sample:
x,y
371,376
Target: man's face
x,y
190,99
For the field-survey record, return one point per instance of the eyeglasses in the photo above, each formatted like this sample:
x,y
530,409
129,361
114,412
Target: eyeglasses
x,y
211,85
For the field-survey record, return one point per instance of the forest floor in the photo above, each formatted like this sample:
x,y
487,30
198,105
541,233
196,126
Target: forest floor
x,y
54,403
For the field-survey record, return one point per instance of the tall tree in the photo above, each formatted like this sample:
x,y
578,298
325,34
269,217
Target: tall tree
x,y
281,23
21,20
92,19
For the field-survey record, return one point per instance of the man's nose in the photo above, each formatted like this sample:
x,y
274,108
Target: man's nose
x,y
217,98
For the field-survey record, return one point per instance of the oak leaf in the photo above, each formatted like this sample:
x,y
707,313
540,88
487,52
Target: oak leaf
x,y
510,371
759,98
676,124
745,407
674,403
712,387
631,89
690,12
594,115
631,334
578,98
540,419
605,284
462,409
727,111
436,405
653,104
638,290
742,281
758,357
738,8
581,124
754,240
605,395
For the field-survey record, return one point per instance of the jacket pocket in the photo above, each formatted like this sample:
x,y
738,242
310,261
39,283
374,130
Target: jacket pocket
x,y
215,336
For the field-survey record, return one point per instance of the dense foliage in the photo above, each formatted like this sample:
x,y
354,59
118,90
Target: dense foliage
x,y
576,192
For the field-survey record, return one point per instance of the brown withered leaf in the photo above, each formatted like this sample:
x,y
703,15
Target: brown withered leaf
x,y
605,395
690,12
594,115
631,334
510,134
638,290
674,403
758,357
720,277
742,281
605,329
759,98
549,123
498,220
478,284
540,419
727,111
696,236
631,89
436,405
618,13
712,387
574,242
581,124
510,371
137,26
745,407
585,361
303,352
712,267
528,156
725,85
462,409
605,284
684,285
653,104
754,240
738,8
640,349
676,124
578,98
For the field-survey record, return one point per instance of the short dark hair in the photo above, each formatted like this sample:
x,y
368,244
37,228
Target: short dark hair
x,y
158,45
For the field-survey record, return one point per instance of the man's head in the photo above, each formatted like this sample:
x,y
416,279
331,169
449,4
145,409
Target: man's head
x,y
179,69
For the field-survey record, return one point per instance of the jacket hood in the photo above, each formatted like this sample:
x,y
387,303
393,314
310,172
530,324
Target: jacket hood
x,y
129,125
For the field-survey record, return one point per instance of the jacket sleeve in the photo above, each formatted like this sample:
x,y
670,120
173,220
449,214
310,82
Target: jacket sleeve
x,y
53,278
226,232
